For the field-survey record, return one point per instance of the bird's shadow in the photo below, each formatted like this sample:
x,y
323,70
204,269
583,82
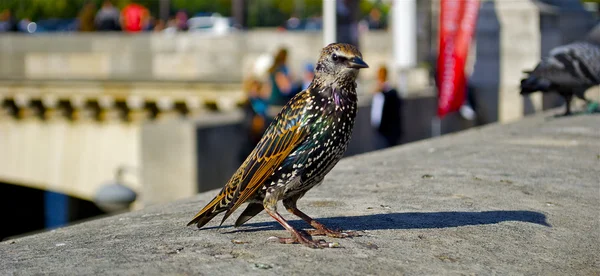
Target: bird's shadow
x,y
575,113
412,220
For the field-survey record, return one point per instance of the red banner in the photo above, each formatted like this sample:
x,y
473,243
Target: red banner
x,y
457,24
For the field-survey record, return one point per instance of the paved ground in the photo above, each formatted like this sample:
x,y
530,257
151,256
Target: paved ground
x,y
509,199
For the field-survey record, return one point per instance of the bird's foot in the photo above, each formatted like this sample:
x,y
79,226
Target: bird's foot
x,y
306,242
566,114
333,233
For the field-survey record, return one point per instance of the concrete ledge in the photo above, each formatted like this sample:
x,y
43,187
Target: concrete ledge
x,y
213,145
511,199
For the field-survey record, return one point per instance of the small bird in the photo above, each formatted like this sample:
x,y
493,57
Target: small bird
x,y
568,70
302,144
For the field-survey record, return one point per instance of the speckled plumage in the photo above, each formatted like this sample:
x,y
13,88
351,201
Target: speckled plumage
x,y
304,142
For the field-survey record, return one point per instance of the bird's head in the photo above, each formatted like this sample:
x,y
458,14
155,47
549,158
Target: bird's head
x,y
533,84
339,61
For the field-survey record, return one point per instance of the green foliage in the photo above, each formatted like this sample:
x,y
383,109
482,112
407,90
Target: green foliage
x,y
276,12
271,13
193,7
37,8
259,8
41,9
260,12
313,8
367,6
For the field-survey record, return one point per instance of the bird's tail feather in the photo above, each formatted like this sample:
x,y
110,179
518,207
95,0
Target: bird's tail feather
x,y
252,210
208,212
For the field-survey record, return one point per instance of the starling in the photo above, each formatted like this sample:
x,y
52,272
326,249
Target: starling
x,y
302,144
569,70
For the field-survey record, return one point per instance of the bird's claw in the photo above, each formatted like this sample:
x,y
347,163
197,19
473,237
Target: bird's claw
x,y
333,233
307,242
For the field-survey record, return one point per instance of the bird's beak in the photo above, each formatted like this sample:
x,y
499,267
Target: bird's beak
x,y
357,63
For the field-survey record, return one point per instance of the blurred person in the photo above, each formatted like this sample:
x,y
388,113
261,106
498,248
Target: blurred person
x,y
255,115
134,18
149,27
375,20
181,18
467,109
308,76
86,17
386,112
279,81
8,23
159,26
171,25
293,22
22,25
107,18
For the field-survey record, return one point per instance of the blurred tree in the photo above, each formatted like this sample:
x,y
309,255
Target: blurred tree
x,y
312,8
35,9
222,7
272,13
261,13
366,6
258,9
44,9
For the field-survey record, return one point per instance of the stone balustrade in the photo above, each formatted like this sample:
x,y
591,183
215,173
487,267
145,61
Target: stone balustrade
x,y
101,101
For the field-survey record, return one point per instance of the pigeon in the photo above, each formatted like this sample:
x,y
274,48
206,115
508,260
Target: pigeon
x,y
302,144
569,70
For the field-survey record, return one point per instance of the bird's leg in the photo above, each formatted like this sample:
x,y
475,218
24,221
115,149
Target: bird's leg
x,y
567,97
568,101
270,204
320,229
590,105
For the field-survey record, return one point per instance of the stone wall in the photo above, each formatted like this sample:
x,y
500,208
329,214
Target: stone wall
x,y
62,156
183,56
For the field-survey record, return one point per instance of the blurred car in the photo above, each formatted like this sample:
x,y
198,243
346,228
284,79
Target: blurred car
x,y
214,24
52,25
306,24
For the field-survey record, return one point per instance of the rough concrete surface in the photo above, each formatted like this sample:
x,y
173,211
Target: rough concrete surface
x,y
514,199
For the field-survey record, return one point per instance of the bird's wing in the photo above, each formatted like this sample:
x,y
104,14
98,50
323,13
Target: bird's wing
x,y
555,71
287,131
580,59
280,139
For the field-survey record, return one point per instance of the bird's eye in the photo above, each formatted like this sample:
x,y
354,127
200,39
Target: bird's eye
x,y
334,57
